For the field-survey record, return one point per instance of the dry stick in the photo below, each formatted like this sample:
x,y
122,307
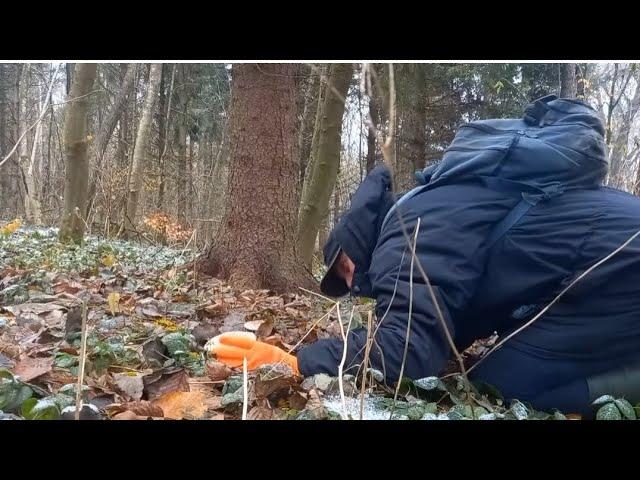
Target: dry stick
x,y
42,114
344,357
366,363
560,295
83,350
406,340
439,314
245,389
318,295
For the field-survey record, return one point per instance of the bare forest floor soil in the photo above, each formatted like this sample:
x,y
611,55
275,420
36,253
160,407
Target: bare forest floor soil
x,y
147,323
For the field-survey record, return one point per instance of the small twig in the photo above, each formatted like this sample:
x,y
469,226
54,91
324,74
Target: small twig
x,y
344,357
366,363
245,400
318,295
406,341
83,350
555,300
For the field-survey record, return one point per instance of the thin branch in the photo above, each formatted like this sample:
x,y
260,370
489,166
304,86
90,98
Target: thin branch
x,y
42,114
344,357
245,390
406,341
83,357
366,363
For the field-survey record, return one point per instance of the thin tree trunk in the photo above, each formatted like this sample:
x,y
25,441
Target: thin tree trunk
x,y
413,118
568,83
581,76
326,160
256,247
309,114
164,139
75,145
371,137
108,126
140,150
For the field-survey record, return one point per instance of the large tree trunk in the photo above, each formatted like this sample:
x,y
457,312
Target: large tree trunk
x,y
413,118
324,164
140,150
75,146
4,177
108,126
568,80
256,246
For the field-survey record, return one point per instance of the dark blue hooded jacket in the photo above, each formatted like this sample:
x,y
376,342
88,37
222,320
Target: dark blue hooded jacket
x,y
594,328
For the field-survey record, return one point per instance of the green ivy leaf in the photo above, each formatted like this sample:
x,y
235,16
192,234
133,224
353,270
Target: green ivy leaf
x,y
625,408
377,374
430,383
609,411
558,416
65,360
519,410
43,409
603,399
12,392
415,413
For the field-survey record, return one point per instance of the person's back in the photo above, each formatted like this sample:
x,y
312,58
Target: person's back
x,y
595,327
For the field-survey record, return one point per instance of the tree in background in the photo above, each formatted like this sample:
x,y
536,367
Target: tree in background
x,y
75,153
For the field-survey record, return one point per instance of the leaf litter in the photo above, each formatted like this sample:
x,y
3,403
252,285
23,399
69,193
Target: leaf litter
x,y
149,317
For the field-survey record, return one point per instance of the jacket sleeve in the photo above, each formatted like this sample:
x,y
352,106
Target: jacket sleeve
x,y
450,245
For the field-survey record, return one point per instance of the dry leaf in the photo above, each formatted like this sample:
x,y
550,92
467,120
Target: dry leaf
x,y
30,368
182,405
253,325
260,413
114,302
217,371
265,329
131,384
70,287
128,415
109,260
142,408
161,383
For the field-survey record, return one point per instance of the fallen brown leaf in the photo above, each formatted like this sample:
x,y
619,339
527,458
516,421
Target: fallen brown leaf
x,y
260,413
217,371
160,383
182,405
30,368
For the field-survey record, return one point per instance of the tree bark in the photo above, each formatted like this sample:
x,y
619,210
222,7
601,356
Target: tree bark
x,y
371,137
140,150
413,118
4,178
182,102
568,82
324,164
256,246
618,150
75,145
312,99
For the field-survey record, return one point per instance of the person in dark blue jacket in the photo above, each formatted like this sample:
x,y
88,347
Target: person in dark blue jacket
x,y
585,345
593,330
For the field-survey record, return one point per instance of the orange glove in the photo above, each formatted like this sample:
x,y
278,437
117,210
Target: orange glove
x,y
232,347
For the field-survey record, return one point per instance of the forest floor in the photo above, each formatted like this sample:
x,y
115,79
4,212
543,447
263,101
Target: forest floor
x,y
147,323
